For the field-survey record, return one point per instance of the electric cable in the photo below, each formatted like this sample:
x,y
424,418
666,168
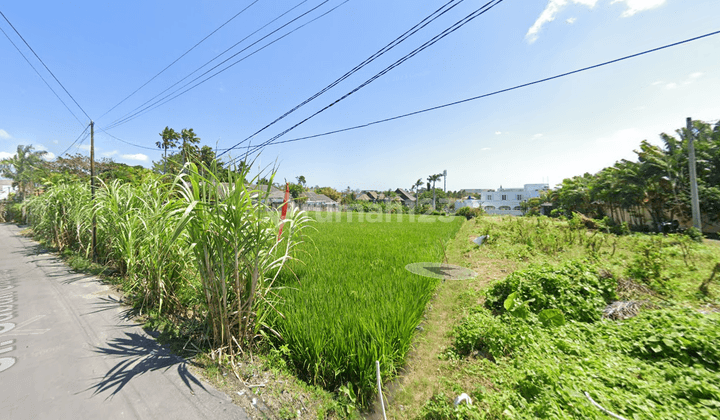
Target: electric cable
x,y
674,44
73,143
46,67
457,25
40,75
132,114
397,41
178,59
127,142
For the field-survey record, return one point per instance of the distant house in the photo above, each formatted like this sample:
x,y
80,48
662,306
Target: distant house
x,y
374,197
502,200
318,202
406,197
363,197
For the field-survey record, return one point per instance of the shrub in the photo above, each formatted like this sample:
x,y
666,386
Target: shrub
x,y
575,288
469,212
694,233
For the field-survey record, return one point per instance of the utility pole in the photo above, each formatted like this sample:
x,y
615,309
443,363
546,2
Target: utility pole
x,y
693,177
92,188
445,180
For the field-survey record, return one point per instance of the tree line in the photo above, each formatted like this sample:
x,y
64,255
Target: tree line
x,y
656,184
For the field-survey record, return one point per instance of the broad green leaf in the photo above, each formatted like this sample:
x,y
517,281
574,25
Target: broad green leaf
x,y
510,301
552,317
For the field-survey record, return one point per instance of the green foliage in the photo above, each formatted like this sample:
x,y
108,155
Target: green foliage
x,y
657,184
238,254
25,168
469,212
440,407
575,288
648,262
353,302
694,234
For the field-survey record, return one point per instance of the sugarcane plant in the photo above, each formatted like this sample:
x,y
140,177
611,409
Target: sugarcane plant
x,y
233,235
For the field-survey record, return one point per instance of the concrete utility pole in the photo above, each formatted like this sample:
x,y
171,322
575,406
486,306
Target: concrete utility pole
x,y
92,187
445,180
693,177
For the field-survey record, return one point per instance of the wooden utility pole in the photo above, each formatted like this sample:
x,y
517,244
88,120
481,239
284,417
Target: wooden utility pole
x,y
693,177
92,187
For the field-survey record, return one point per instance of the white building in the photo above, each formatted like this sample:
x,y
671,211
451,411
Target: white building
x,y
6,188
502,200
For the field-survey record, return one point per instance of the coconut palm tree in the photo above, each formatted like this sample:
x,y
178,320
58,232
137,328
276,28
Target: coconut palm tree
x,y
169,141
24,168
189,142
433,179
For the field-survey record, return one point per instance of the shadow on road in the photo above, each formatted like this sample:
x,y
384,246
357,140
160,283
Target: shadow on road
x,y
137,355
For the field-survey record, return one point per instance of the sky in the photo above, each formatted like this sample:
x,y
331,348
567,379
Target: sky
x,y
102,52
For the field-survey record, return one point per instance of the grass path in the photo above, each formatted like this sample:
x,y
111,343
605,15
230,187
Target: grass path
x,y
426,373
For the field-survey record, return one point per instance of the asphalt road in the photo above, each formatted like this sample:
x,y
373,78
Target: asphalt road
x,y
67,351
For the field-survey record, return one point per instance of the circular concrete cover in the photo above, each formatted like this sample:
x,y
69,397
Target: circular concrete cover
x,y
440,271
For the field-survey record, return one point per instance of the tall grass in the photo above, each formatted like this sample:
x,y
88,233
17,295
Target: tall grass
x,y
234,240
61,216
186,245
355,302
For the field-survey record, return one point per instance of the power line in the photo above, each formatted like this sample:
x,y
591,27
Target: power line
x,y
127,142
73,143
457,25
133,114
491,93
397,41
46,67
178,59
40,75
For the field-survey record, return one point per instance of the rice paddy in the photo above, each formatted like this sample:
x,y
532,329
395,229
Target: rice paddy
x,y
352,301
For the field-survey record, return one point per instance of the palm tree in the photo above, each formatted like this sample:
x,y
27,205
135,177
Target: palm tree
x,y
189,141
416,187
433,179
169,141
24,168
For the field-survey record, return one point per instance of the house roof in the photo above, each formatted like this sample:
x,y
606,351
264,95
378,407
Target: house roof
x,y
372,194
405,195
363,197
314,197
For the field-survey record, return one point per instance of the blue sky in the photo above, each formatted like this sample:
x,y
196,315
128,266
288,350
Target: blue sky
x,y
102,52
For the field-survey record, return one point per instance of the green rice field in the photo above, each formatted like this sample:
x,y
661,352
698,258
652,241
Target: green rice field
x,y
353,302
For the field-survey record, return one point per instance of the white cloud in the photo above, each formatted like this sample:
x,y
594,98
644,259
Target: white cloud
x,y
49,156
4,134
671,86
634,6
548,15
138,156
85,147
696,75
6,155
108,154
536,136
498,133
658,82
554,7
484,148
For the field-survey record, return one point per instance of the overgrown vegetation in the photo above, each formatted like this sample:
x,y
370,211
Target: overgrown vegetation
x,y
532,344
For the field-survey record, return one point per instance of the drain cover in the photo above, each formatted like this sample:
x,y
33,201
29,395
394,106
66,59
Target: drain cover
x,y
440,271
